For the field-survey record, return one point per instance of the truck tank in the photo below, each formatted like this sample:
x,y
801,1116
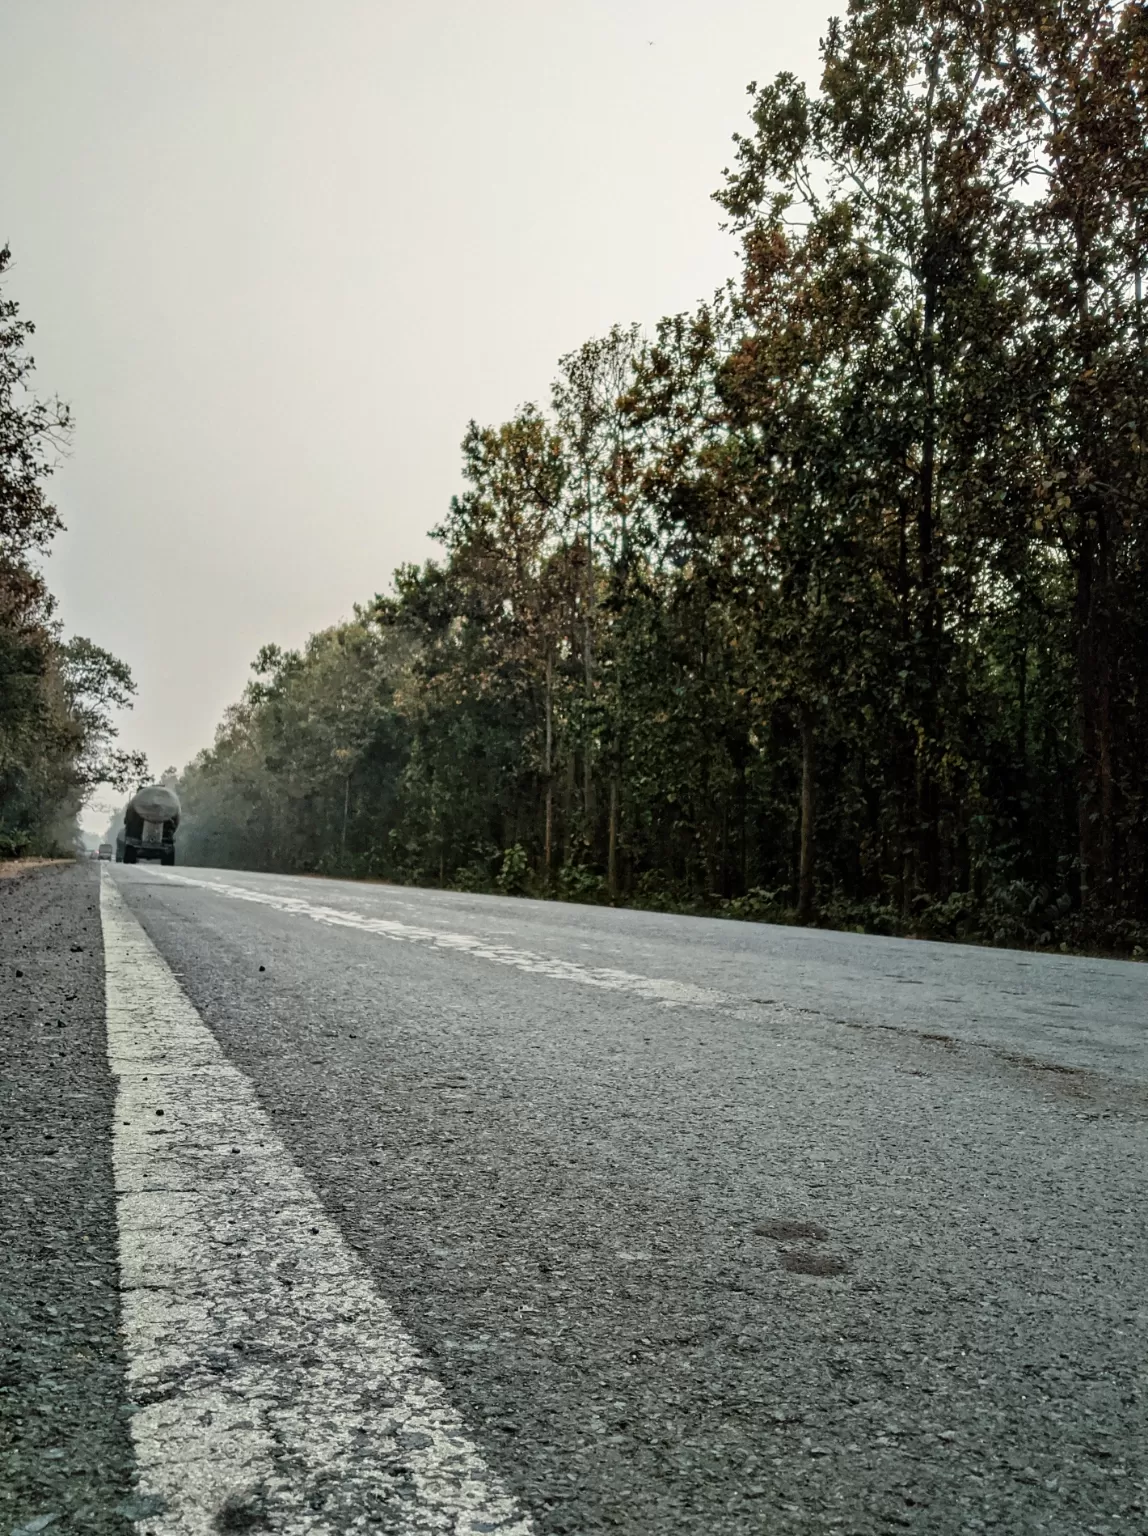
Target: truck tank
x,y
150,822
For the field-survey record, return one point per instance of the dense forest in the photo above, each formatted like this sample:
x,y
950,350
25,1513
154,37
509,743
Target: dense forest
x,y
826,601
56,695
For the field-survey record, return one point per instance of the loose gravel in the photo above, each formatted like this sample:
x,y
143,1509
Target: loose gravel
x,y
65,1455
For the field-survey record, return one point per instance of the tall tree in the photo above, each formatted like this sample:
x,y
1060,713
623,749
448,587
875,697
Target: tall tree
x,y
56,731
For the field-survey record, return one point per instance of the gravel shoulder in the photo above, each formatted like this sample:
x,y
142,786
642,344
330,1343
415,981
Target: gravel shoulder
x,y
10,869
64,1441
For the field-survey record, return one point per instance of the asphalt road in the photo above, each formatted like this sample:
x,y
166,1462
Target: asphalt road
x,y
600,1221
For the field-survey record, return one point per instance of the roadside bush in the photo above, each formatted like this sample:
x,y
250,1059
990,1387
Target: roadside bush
x,y
512,879
578,883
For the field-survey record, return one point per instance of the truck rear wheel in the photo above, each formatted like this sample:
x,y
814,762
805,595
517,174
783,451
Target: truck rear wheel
x,y
129,855
167,856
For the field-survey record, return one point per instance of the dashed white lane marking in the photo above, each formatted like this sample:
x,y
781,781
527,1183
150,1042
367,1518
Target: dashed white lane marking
x,y
275,1389
655,988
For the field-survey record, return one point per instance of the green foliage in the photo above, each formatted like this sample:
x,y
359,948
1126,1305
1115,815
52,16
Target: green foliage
x,y
826,601
577,883
514,876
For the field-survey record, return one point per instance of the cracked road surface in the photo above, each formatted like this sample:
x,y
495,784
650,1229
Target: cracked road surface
x,y
560,1219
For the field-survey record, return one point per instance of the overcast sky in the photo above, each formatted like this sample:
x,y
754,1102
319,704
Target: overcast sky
x,y
279,252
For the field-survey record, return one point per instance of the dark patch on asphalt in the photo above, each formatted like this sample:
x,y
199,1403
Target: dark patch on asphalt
x,y
800,1262
244,1510
785,1229
1035,1065
65,1447
1114,1095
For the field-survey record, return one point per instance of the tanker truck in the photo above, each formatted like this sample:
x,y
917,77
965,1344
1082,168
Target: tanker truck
x,y
149,825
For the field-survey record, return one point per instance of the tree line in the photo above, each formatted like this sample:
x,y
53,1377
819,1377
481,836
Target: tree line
x,y
56,695
825,600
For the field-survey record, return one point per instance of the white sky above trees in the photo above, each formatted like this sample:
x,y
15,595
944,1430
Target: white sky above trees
x,y
278,252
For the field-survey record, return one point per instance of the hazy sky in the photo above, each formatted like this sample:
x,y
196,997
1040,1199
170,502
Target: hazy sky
x,y
278,252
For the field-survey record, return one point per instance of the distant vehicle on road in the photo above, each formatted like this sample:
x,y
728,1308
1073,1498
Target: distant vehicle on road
x,y
149,825
105,851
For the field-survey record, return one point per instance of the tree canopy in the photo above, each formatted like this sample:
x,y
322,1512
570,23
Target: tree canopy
x,y
827,599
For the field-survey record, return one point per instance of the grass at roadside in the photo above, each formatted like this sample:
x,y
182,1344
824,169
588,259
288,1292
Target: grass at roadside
x,y
11,867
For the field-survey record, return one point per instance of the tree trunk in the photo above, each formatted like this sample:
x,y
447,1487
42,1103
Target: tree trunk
x,y
1022,744
805,883
568,805
549,834
1096,607
589,808
1098,790
927,787
612,854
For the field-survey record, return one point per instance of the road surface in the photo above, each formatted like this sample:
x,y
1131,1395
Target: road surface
x,y
344,1207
